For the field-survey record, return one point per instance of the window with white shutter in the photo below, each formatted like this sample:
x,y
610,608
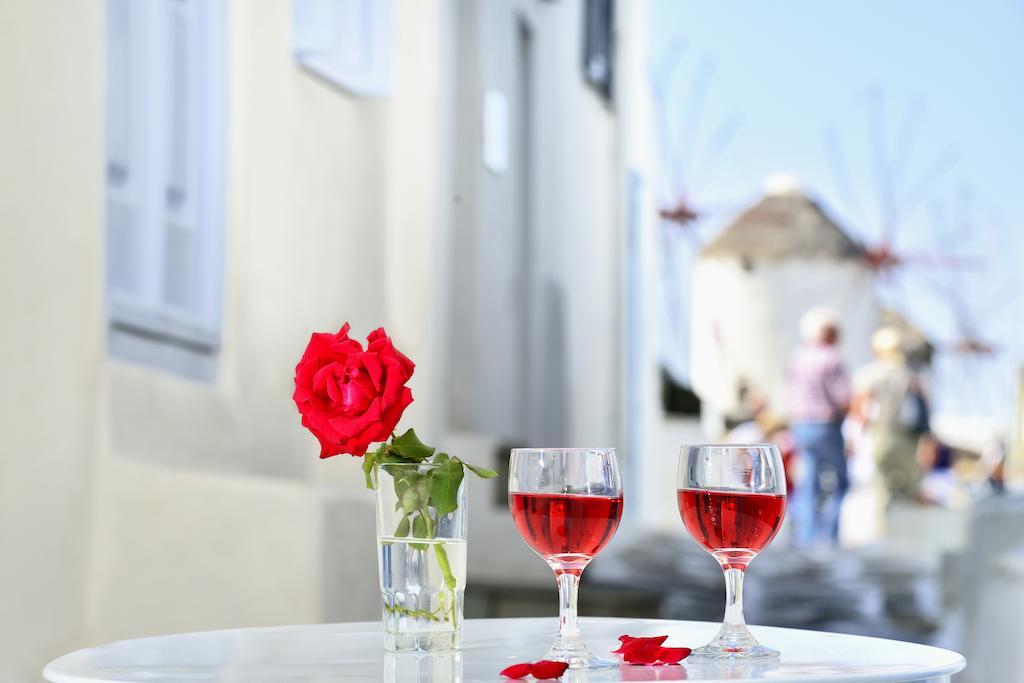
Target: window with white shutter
x,y
166,148
346,42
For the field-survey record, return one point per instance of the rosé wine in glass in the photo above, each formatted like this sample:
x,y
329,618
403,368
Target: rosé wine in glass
x,y
738,525
566,528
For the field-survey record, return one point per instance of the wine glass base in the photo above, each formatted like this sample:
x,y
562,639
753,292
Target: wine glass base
x,y
591,663
578,656
735,641
725,651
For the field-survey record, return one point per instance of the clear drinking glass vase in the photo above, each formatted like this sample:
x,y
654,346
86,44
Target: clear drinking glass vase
x,y
421,561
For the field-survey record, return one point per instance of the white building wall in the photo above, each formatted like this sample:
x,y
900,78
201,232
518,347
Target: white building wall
x,y
537,252
332,213
648,461
158,504
211,508
746,323
51,294
579,197
536,248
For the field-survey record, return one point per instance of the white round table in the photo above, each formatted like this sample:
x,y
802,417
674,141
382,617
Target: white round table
x,y
354,652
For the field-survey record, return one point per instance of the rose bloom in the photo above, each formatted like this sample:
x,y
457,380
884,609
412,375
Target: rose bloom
x,y
350,397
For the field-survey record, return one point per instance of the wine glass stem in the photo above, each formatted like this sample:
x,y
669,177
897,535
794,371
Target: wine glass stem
x,y
734,597
568,590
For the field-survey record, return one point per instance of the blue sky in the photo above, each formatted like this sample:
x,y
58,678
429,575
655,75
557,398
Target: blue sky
x,y
944,79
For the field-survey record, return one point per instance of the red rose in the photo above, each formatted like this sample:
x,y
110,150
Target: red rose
x,y
348,397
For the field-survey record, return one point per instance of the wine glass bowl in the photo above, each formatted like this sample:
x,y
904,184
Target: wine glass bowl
x,y
566,504
567,530
732,499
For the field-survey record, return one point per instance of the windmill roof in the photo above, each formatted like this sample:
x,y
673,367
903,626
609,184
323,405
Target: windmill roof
x,y
783,225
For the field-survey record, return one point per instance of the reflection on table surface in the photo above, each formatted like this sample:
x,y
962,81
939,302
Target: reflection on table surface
x,y
354,652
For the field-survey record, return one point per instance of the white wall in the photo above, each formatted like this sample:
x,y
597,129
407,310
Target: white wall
x,y
51,278
332,210
536,336
135,502
650,441
211,507
745,324
579,188
536,307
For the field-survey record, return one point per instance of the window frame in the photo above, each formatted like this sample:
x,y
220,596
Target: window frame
x,y
144,326
322,43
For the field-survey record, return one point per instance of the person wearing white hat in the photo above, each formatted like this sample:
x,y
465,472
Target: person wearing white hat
x,y
818,393
889,400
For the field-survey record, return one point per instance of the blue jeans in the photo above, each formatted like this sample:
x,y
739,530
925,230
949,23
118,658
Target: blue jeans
x,y
814,506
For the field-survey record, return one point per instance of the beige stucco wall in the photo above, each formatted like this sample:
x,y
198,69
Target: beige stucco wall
x,y
135,502
199,482
211,508
51,279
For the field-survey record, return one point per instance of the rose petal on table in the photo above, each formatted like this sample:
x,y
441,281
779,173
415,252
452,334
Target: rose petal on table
x,y
643,650
546,668
629,642
642,657
624,640
641,653
518,670
673,655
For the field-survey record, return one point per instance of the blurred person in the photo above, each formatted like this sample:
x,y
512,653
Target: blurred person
x,y
753,408
993,457
889,402
765,426
818,392
939,483
862,520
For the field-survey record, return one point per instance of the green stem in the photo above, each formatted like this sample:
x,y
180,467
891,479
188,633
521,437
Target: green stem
x,y
446,569
416,613
442,554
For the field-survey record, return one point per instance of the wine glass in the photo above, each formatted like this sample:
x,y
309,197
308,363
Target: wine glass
x,y
566,504
732,499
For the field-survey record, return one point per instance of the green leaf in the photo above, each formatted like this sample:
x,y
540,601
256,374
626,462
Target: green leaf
x,y
368,462
419,527
427,521
444,485
390,457
423,489
401,486
402,530
481,472
410,447
410,500
419,530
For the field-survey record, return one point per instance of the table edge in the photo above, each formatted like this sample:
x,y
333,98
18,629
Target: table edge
x,y
54,675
